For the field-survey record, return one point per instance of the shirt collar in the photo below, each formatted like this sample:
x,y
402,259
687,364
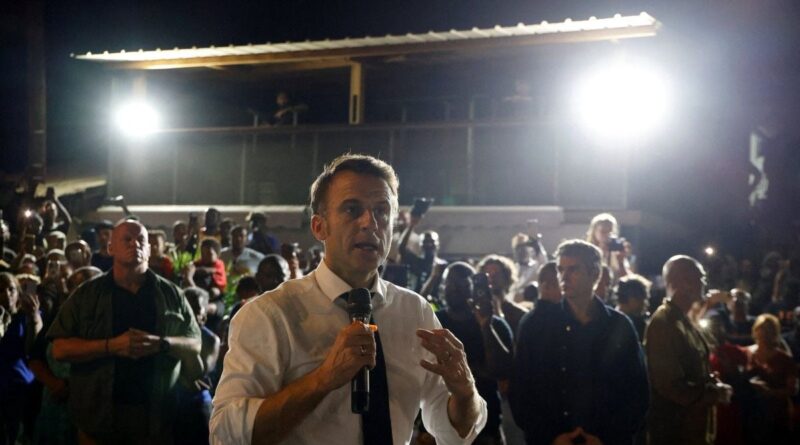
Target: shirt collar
x,y
333,286
598,307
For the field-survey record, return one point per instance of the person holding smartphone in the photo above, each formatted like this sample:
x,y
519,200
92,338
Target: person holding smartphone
x,y
487,339
427,268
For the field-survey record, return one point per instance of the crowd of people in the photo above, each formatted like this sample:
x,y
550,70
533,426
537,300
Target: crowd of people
x,y
123,331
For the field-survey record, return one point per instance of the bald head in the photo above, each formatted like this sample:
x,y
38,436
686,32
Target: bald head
x,y
129,245
685,280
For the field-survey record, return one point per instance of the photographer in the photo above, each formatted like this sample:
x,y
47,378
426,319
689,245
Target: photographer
x,y
428,268
487,339
604,234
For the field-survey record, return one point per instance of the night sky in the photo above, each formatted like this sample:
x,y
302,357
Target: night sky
x,y
739,62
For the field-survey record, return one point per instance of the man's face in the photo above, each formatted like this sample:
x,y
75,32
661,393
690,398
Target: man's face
x,y
129,245
497,278
430,244
401,222
238,239
270,275
549,289
695,284
49,211
179,233
575,278
457,290
638,306
9,295
55,242
355,223
156,245
212,218
103,236
208,255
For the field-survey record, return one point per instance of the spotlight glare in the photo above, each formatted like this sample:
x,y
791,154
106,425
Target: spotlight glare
x,y
622,101
709,251
137,119
703,322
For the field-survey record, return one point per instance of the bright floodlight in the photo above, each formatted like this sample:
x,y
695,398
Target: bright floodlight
x,y
709,251
137,119
622,101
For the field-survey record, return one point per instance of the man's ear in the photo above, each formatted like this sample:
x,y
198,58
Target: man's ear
x,y
319,227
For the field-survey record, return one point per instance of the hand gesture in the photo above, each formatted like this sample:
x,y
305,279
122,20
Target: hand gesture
x,y
567,438
451,361
134,344
353,349
30,303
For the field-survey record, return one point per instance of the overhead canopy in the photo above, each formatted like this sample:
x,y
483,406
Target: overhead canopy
x,y
342,52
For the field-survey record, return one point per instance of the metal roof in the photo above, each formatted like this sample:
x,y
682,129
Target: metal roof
x,y
615,27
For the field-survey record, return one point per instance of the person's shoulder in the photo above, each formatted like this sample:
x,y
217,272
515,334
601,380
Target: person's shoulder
x,y
167,287
285,297
92,287
403,294
542,313
407,301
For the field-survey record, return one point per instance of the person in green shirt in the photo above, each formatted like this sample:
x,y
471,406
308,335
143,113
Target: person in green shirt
x,y
128,336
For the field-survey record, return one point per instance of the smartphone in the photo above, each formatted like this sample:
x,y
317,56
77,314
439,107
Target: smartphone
x,y
481,299
421,206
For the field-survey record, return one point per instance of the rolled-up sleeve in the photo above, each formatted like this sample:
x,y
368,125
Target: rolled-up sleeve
x,y
252,371
435,397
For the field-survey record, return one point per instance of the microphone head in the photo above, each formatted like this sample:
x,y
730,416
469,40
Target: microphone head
x,y
359,303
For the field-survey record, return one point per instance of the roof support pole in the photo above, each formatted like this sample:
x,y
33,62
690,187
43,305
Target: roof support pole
x,y
36,90
356,106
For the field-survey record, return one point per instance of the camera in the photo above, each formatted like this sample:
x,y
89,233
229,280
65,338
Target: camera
x,y
616,244
421,206
481,298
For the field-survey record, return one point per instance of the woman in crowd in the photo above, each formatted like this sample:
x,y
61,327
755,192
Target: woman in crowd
x,y
604,233
774,378
20,322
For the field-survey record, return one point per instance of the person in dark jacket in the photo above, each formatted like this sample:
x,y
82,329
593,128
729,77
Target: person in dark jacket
x,y
579,370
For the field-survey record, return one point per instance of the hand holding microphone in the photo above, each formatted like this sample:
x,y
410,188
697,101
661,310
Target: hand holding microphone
x,y
352,351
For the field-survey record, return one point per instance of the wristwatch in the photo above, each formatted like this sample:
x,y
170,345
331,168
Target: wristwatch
x,y
163,345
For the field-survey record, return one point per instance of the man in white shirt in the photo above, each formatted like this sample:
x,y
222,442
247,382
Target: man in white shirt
x,y
293,351
245,260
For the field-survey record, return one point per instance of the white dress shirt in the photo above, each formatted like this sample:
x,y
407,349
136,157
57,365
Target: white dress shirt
x,y
285,334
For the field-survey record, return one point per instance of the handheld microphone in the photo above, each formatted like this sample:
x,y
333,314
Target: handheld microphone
x,y
359,307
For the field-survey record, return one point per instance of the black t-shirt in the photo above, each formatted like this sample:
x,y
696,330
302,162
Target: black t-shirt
x,y
468,331
133,379
102,262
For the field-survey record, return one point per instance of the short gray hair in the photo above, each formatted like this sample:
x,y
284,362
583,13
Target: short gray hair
x,y
361,164
587,253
